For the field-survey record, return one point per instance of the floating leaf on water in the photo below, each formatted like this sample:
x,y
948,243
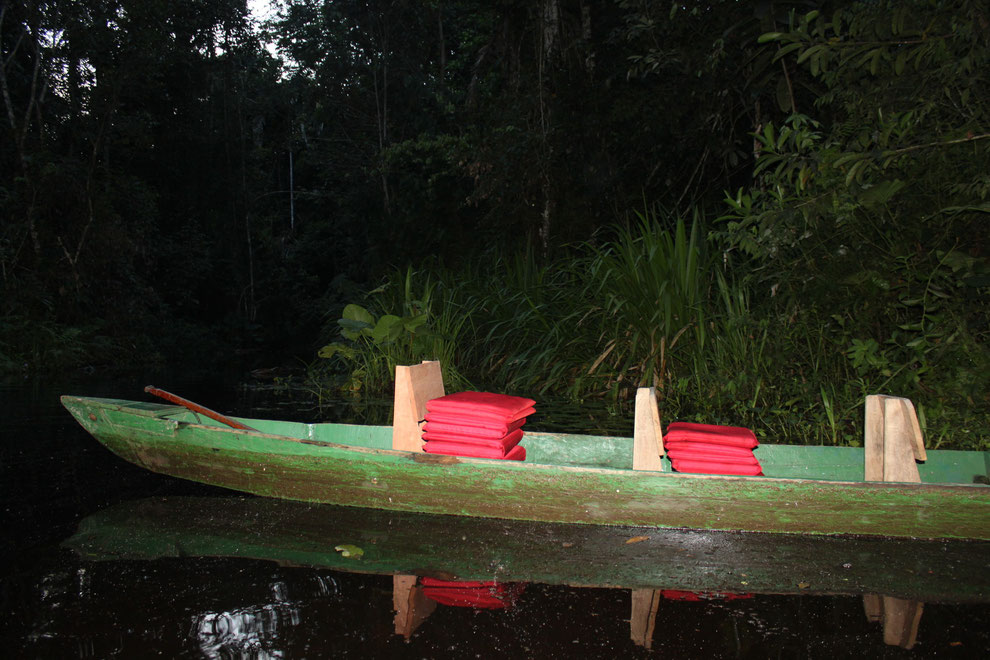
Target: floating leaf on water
x,y
637,539
349,551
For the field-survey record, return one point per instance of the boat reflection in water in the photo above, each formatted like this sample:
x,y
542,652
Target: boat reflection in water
x,y
447,561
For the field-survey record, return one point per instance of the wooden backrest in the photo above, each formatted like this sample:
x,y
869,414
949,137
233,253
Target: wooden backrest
x,y
414,386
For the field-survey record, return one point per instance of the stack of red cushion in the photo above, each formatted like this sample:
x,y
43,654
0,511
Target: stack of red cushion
x,y
479,424
479,595
712,449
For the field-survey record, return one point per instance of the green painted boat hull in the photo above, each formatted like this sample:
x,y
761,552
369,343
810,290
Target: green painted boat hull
x,y
461,548
565,479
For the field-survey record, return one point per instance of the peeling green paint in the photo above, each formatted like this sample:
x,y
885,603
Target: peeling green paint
x,y
363,474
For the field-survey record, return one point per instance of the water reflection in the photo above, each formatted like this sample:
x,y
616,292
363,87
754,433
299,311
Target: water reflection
x,y
899,618
415,598
250,632
451,563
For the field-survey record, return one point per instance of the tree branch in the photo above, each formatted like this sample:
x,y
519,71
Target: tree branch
x,y
915,147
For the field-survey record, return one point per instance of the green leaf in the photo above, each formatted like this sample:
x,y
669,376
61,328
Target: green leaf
x,y
412,324
349,551
881,193
353,330
855,171
769,36
388,328
789,48
811,51
354,312
337,348
901,61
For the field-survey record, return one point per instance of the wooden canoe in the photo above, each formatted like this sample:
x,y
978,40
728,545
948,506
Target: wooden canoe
x,y
566,478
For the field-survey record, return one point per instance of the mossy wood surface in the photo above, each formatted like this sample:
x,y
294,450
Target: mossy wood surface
x,y
561,481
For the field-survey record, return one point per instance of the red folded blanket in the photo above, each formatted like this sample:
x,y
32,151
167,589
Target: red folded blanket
x,y
517,453
437,423
487,405
505,443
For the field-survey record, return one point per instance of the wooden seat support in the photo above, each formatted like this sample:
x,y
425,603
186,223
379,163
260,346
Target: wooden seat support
x,y
892,440
647,455
893,443
414,386
411,605
643,620
647,436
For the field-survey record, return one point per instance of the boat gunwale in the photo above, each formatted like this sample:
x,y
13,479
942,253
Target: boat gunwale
x,y
441,459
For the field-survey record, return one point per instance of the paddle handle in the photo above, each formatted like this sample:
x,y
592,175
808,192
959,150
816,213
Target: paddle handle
x,y
195,407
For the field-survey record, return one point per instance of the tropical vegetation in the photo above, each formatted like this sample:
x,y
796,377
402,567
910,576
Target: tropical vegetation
x,y
766,209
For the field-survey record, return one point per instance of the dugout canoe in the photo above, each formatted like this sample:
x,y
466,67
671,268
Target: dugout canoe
x,y
566,478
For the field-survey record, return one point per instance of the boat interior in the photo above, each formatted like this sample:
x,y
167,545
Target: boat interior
x,y
893,448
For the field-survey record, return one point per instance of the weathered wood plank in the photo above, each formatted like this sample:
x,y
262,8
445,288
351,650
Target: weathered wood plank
x,y
873,437
892,439
643,619
414,386
900,621
899,444
647,435
411,606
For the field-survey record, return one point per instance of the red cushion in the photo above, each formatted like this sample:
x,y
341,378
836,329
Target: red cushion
x,y
712,458
504,443
437,582
716,467
469,429
708,448
720,435
517,453
464,598
481,595
737,431
483,404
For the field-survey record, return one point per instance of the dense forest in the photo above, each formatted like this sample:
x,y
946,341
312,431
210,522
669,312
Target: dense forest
x,y
766,209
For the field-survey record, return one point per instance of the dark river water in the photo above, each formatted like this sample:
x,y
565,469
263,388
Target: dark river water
x,y
102,559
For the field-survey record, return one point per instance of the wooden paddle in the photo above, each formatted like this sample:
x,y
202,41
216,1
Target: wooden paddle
x,y
196,408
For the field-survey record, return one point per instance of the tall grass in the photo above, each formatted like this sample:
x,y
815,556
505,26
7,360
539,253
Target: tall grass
x,y
654,285
656,305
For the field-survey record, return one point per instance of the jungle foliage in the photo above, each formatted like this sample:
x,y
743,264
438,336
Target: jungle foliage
x,y
766,209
